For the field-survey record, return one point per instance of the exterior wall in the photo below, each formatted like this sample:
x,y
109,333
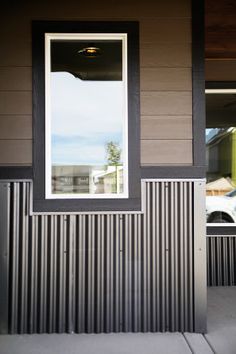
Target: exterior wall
x,y
165,73
152,264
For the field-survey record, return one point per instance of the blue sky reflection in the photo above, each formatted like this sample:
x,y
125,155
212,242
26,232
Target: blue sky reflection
x,y
85,116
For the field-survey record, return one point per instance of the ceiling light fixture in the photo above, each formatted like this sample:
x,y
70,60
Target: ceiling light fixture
x,y
90,52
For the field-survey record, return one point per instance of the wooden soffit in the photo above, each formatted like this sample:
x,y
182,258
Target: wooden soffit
x,y
220,17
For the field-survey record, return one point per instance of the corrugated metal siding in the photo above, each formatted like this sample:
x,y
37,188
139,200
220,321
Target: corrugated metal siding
x,y
221,260
103,273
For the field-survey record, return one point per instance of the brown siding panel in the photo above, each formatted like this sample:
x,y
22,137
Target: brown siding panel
x,y
166,152
16,78
168,103
16,102
165,30
18,152
16,53
166,79
105,9
165,55
15,127
166,127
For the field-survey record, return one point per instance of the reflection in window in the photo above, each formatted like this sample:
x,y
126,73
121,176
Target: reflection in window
x,y
221,157
86,117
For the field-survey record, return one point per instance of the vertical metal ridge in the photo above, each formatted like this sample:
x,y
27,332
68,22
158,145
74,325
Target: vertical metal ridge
x,y
70,300
117,273
145,233
181,245
5,268
190,256
23,249
52,271
80,274
161,218
14,239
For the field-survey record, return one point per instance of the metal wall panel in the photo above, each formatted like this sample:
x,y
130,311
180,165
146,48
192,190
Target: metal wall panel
x,y
103,273
221,260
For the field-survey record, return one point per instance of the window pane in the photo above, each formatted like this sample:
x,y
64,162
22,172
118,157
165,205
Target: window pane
x,y
221,157
88,123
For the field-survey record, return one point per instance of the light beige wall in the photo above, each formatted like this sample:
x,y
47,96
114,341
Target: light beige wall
x,y
166,87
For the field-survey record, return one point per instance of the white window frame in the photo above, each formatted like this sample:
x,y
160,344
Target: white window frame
x,y
48,163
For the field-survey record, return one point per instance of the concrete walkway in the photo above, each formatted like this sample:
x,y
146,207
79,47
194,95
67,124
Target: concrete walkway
x,y
221,329
167,343
220,339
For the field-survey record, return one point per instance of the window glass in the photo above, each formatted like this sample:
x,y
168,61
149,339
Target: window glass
x,y
221,156
86,116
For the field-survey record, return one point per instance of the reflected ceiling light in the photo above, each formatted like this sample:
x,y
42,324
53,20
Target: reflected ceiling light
x,y
90,52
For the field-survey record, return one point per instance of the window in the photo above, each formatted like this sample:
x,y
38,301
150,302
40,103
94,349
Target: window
x,y
86,116
221,157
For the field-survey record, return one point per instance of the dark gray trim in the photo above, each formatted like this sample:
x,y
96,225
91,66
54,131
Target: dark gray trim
x,y
198,79
40,204
173,172
4,257
10,172
221,230
84,205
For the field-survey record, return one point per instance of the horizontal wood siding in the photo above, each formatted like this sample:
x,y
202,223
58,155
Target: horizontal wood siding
x,y
172,127
18,152
160,152
165,74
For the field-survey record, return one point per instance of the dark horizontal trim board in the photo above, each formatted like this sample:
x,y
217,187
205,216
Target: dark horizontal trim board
x,y
173,172
86,205
221,230
12,172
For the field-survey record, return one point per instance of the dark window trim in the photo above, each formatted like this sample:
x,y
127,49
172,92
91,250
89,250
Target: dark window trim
x,y
221,230
40,204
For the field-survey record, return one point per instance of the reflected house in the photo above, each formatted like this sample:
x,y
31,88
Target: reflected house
x,y
70,179
87,179
110,181
221,156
